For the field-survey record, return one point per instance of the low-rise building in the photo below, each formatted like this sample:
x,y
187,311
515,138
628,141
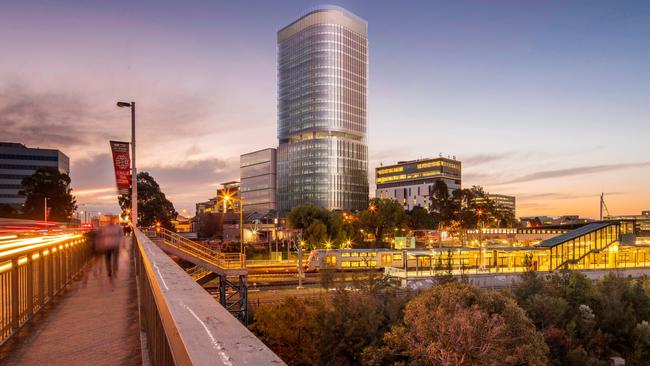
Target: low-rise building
x,y
182,224
641,222
18,162
410,182
502,202
227,199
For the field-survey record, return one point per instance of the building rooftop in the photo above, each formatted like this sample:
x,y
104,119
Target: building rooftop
x,y
550,243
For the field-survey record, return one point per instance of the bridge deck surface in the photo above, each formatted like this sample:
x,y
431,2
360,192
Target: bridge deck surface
x,y
94,322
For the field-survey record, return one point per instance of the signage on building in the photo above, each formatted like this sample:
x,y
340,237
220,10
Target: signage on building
x,y
404,242
122,164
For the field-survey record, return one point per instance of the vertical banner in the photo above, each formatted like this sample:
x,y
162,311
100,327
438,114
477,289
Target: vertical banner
x,y
122,164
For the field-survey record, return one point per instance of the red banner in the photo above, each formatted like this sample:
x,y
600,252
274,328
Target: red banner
x,y
122,164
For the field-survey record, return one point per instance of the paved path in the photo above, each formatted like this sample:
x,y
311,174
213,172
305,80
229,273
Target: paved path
x,y
94,322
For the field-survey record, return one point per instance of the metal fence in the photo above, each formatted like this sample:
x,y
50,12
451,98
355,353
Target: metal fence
x,y
32,272
181,324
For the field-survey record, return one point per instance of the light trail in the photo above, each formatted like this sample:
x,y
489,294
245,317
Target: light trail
x,y
29,244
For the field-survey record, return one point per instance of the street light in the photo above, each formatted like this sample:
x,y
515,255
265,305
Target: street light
x,y
134,173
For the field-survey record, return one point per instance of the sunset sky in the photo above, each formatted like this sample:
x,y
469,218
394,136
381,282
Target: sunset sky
x,y
545,100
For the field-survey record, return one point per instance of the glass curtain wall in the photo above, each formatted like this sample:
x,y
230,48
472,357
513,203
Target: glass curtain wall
x,y
322,78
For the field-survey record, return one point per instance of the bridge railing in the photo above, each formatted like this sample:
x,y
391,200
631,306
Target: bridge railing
x,y
182,324
223,260
32,272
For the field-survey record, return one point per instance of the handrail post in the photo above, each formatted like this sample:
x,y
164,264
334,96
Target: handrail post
x,y
41,278
50,274
30,285
15,303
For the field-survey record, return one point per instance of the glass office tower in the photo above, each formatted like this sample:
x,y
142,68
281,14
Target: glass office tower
x,y
322,84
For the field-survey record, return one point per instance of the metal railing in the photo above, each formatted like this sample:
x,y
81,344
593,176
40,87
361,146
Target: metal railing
x,y
197,272
181,324
219,259
33,271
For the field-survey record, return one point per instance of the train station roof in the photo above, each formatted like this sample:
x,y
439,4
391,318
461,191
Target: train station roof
x,y
573,234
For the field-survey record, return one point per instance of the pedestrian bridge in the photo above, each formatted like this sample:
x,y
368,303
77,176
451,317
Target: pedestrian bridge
x,y
60,306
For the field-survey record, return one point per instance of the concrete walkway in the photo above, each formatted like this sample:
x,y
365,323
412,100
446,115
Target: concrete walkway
x,y
94,322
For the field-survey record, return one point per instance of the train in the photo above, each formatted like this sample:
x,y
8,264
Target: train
x,y
378,259
353,259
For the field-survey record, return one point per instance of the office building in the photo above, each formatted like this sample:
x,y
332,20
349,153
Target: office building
x,y
322,85
18,161
502,202
257,171
410,182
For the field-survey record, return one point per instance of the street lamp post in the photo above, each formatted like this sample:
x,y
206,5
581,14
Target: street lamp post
x,y
134,172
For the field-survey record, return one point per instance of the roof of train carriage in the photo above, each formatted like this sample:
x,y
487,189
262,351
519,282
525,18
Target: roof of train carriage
x,y
555,241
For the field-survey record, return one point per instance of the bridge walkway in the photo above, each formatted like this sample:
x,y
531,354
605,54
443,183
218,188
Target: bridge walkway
x,y
94,323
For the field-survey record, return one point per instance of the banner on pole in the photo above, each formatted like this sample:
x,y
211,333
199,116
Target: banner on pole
x,y
122,164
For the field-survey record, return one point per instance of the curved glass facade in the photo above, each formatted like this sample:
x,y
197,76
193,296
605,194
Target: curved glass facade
x,y
322,85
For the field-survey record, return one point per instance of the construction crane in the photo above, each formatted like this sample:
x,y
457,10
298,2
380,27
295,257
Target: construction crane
x,y
603,206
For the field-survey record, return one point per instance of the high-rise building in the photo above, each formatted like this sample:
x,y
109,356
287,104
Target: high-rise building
x,y
322,86
18,161
257,172
410,182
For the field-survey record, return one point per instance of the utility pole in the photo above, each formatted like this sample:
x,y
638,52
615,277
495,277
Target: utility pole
x,y
300,271
45,212
241,223
275,233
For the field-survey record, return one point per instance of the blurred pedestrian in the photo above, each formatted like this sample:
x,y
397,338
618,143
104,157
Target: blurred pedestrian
x,y
107,244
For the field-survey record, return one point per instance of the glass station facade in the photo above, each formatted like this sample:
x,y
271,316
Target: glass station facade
x,y
322,85
596,246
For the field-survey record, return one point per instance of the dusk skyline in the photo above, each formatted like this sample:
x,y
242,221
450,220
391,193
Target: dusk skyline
x,y
544,101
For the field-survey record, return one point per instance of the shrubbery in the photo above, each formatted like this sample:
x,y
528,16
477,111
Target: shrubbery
x,y
559,319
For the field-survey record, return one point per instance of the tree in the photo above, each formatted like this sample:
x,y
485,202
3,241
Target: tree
x,y
460,324
208,224
153,205
331,330
383,217
316,223
48,182
443,207
419,219
8,210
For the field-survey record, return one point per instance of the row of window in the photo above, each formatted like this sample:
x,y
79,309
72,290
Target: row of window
x,y
6,195
359,254
28,157
21,167
352,264
13,176
10,186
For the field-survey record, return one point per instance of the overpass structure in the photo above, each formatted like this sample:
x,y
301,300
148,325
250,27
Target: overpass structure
x,y
149,311
229,268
